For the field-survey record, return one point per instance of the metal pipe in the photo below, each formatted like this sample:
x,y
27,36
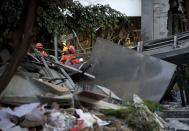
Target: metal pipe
x,y
175,42
140,46
55,46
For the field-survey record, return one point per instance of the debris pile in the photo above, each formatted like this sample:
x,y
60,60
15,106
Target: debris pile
x,y
97,95
137,112
35,116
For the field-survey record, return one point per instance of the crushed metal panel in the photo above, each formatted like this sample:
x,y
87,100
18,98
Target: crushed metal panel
x,y
126,72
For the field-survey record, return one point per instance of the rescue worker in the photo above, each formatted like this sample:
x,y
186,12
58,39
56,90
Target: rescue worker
x,y
68,47
65,49
68,56
40,48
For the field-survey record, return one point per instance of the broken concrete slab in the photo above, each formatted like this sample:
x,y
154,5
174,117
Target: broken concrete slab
x,y
111,94
178,126
127,72
25,89
92,95
98,104
98,97
18,128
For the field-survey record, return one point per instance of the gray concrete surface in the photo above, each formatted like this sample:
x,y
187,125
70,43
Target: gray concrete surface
x,y
154,19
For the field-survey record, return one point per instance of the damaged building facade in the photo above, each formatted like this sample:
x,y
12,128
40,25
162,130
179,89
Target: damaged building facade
x,y
162,18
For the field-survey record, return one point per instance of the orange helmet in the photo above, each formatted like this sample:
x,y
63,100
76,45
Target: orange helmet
x,y
39,46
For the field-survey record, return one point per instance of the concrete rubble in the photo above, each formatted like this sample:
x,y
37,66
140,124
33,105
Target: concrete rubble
x,y
48,96
35,116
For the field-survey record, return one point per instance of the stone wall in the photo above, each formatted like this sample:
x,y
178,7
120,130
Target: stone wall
x,y
154,19
160,10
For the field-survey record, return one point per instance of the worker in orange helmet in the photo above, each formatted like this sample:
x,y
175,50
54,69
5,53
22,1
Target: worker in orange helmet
x,y
40,48
69,59
68,56
68,47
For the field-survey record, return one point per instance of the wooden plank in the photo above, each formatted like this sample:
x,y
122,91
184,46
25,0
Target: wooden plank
x,y
92,95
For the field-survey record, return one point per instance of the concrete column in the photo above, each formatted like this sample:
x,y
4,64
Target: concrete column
x,y
161,8
147,20
154,19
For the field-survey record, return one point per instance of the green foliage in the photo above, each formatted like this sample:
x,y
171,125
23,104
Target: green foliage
x,y
136,118
140,120
153,106
91,17
85,21
61,17
10,13
120,113
50,20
